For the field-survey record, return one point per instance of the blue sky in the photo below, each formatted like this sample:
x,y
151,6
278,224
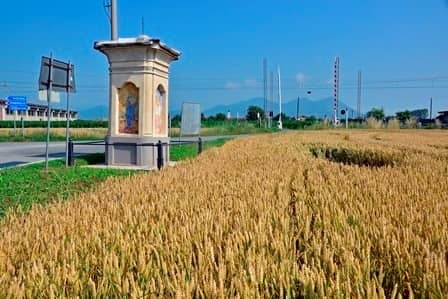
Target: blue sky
x,y
401,46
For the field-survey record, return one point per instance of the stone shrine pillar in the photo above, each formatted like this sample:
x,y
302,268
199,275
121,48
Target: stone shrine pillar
x,y
138,99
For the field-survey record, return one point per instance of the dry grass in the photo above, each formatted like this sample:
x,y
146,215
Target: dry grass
x,y
259,217
393,124
373,123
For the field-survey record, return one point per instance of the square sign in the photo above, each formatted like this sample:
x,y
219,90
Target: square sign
x,y
62,81
191,119
16,103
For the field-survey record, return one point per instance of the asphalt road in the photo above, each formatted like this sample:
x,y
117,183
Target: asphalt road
x,y
19,153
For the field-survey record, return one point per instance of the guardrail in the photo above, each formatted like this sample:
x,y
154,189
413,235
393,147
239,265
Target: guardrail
x,y
159,145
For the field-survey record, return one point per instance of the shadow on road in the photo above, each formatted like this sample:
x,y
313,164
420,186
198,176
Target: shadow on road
x,y
52,155
11,164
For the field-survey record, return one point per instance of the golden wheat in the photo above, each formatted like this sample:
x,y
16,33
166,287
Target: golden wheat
x,y
267,216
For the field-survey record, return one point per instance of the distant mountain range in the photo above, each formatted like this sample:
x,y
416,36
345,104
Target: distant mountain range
x,y
320,108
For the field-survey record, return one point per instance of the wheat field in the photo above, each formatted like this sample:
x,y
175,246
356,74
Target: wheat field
x,y
328,214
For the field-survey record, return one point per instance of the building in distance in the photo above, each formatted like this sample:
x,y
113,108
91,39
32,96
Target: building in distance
x,y
35,112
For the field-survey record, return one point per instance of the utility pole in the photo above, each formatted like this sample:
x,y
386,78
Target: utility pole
x,y
358,108
346,117
336,91
265,91
280,124
271,104
298,108
430,109
114,20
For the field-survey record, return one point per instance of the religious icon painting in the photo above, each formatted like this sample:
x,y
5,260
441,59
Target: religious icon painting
x,y
128,109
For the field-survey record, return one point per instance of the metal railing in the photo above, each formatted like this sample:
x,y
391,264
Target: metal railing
x,y
159,145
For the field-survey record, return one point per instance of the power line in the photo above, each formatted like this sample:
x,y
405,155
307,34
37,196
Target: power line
x,y
91,89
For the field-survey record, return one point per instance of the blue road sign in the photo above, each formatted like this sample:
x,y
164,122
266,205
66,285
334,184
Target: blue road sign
x,y
16,103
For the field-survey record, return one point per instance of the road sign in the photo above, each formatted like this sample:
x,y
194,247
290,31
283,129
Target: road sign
x,y
56,76
54,96
63,78
191,119
16,103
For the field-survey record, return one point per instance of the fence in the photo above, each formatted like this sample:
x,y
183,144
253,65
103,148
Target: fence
x,y
159,145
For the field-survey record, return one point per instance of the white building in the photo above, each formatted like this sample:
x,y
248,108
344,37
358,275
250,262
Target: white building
x,y
35,113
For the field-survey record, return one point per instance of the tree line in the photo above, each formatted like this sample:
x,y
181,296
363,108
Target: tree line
x,y
378,113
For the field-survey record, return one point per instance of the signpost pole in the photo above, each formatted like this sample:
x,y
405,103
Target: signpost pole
x,y
49,91
15,125
23,127
67,130
346,118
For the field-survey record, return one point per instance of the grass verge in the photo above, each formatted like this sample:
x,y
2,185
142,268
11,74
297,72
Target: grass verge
x,y
22,187
186,151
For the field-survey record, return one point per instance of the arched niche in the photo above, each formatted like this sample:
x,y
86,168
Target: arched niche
x,y
160,110
128,107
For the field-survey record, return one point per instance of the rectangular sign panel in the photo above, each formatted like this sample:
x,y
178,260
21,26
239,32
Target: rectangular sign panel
x,y
54,96
61,81
191,119
16,103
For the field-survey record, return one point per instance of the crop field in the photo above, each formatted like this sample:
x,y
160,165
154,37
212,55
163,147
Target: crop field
x,y
326,214
57,134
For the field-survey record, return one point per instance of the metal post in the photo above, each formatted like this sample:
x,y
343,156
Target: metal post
x,y
298,108
336,91
169,125
113,20
199,146
346,118
159,155
271,109
265,90
49,91
358,106
280,124
70,153
67,127
430,109
23,128
15,125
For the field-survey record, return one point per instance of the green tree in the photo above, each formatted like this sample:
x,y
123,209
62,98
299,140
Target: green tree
x,y
220,116
420,113
376,113
252,113
175,121
404,115
284,117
